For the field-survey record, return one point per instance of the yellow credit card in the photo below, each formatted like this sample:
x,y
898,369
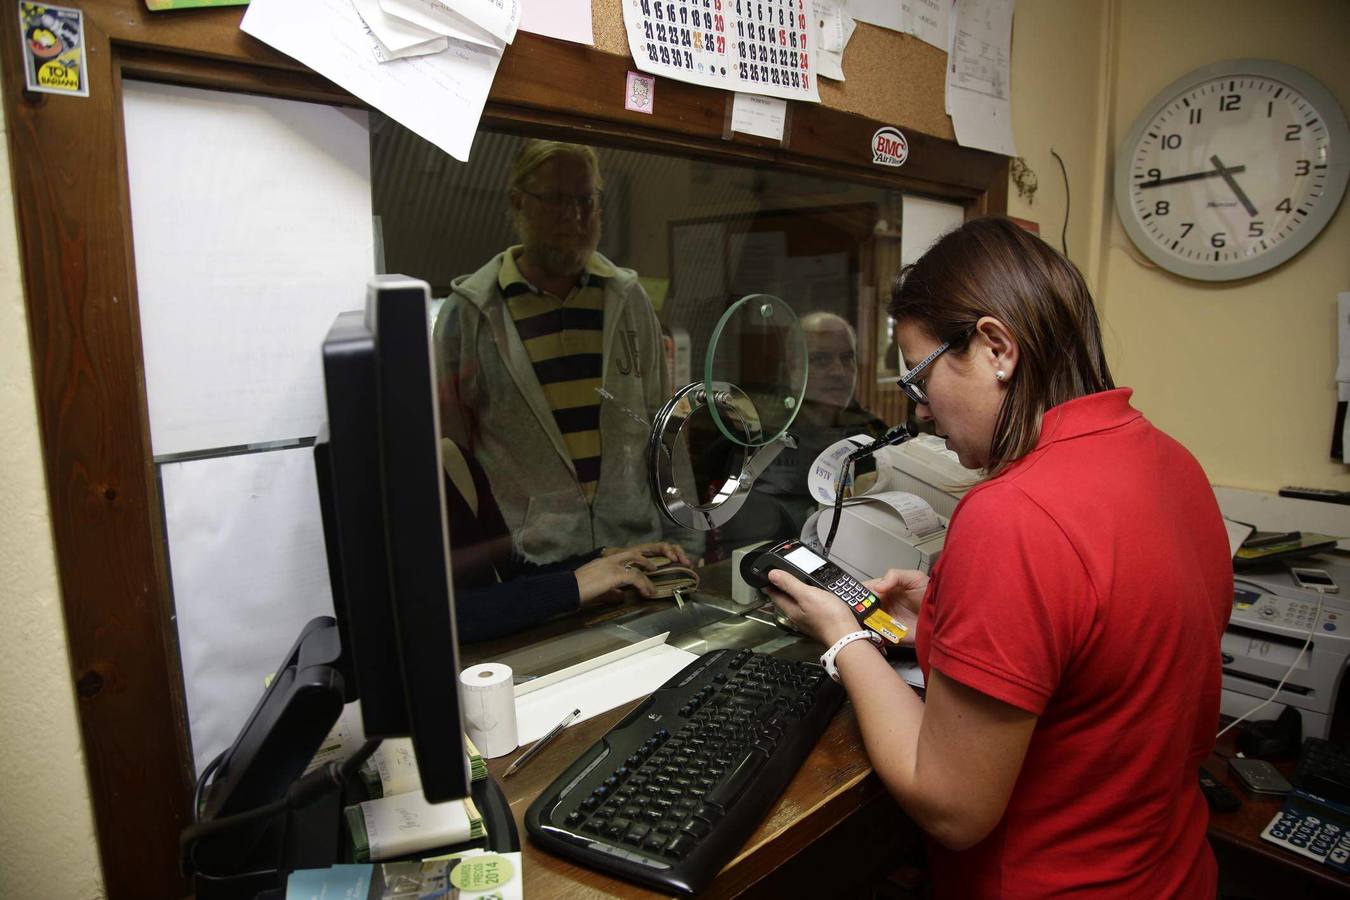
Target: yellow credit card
x,y
883,624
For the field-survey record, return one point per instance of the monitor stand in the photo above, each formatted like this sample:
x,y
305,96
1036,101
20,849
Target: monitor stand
x,y
286,728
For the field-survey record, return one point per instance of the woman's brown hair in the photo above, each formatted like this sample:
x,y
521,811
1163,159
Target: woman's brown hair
x,y
992,267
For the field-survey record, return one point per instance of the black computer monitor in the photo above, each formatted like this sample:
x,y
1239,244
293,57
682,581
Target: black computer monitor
x,y
388,503
392,641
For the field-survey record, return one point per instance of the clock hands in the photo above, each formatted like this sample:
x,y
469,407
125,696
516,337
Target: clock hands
x,y
1159,182
1232,183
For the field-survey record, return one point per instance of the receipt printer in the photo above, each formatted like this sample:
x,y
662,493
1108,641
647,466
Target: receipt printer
x,y
1269,624
880,532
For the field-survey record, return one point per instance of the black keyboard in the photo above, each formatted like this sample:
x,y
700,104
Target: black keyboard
x,y
673,791
1323,769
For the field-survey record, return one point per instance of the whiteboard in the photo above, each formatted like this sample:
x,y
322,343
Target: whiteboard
x,y
251,221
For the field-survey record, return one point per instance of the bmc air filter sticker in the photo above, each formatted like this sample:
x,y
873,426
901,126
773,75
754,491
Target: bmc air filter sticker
x,y
889,147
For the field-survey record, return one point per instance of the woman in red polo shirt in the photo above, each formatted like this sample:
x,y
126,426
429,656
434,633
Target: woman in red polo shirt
x,y
1070,632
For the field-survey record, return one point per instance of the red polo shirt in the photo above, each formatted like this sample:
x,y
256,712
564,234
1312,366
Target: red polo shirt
x,y
1090,584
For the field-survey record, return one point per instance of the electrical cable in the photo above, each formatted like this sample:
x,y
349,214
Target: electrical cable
x,y
894,437
1312,629
303,791
1064,234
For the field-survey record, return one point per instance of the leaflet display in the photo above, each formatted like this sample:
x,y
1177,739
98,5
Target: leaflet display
x,y
752,46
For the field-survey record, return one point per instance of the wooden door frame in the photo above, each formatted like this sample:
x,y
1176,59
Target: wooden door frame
x,y
71,197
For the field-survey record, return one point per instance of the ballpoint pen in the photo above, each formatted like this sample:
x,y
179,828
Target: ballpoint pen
x,y
541,743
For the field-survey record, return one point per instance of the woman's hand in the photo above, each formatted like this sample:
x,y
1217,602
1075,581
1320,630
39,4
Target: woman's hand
x,y
671,551
900,592
817,612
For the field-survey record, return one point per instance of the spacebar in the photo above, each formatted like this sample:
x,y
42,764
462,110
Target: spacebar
x,y
726,793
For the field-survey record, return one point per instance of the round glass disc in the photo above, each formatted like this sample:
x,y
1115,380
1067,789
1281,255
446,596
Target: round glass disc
x,y
757,349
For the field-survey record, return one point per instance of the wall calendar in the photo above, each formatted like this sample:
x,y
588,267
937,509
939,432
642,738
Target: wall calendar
x,y
752,46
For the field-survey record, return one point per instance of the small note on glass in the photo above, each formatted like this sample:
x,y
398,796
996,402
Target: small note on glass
x,y
764,117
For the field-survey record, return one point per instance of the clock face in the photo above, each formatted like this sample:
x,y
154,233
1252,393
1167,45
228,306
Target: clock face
x,y
1233,169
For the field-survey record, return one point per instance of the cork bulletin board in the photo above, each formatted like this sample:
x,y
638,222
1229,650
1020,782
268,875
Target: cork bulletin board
x,y
892,77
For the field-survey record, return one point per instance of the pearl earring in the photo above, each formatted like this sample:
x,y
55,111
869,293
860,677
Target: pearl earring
x,y
1001,375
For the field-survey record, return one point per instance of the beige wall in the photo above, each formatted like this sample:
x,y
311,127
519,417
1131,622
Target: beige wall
x,y
1241,373
47,846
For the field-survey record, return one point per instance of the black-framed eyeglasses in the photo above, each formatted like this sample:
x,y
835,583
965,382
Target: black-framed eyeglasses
x,y
558,202
912,384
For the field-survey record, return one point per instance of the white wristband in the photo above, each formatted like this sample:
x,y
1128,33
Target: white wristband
x,y
827,658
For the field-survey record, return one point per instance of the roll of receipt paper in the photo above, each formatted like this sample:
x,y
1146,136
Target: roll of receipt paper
x,y
489,702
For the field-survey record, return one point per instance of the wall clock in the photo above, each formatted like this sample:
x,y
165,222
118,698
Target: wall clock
x,y
1232,169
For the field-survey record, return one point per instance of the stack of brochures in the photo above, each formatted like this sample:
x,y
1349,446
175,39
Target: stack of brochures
x,y
403,824
397,820
474,873
1263,548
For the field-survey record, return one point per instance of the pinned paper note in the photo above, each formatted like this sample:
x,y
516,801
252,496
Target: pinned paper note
x,y
979,86
925,19
438,97
566,20
836,28
397,38
761,116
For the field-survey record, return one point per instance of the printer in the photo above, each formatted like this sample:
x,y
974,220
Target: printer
x,y
1270,622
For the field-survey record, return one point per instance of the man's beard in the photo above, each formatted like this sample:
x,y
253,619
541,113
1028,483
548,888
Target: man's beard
x,y
559,260
562,260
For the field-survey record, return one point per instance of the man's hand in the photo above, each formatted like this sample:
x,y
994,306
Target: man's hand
x,y
671,551
599,578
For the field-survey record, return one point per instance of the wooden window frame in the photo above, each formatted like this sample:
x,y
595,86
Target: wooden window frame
x,y
71,197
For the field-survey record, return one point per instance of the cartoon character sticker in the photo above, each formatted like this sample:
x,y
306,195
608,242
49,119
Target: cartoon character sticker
x,y
639,95
53,49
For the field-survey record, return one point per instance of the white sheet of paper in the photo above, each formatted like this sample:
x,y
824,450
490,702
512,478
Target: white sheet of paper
x,y
1237,533
383,54
566,20
925,19
762,116
438,97
698,261
836,27
1343,337
981,75
1343,366
432,16
252,231
597,690
394,33
500,18
815,282
249,570
910,671
830,64
757,261
922,222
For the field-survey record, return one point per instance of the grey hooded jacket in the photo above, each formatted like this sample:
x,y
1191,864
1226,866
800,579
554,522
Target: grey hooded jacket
x,y
493,404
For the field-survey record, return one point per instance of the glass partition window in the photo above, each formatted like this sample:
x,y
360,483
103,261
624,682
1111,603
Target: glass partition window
x,y
554,361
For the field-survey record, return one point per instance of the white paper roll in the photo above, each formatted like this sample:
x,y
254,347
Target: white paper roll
x,y
824,474
489,702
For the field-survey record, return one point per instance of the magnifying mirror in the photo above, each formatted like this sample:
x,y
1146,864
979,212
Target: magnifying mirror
x,y
699,476
713,438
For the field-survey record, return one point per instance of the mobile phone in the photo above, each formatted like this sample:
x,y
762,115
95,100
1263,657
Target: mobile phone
x,y
1259,776
804,564
1314,580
